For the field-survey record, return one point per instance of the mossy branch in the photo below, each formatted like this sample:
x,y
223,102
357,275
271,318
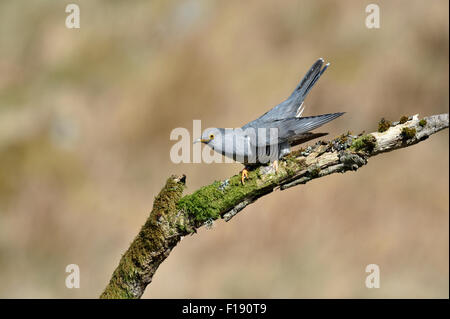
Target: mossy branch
x,y
174,216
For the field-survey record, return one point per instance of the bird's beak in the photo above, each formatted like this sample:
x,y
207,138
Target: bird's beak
x,y
201,140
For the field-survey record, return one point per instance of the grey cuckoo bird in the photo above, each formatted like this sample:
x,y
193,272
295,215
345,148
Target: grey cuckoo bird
x,y
271,136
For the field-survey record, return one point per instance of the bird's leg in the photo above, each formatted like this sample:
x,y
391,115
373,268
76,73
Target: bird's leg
x,y
275,166
244,175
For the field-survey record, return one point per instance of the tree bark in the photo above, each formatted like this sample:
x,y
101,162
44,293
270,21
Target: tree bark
x,y
174,216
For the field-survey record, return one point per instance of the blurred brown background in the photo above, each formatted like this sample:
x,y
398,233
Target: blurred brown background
x,y
85,118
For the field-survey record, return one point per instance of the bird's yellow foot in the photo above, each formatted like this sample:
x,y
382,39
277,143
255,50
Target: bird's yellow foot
x,y
275,166
244,175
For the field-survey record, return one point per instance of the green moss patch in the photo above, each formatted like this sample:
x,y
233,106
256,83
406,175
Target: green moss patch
x,y
403,119
314,171
408,133
383,125
365,143
210,202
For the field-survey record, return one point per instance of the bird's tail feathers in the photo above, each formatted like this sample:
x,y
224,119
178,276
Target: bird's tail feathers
x,y
310,78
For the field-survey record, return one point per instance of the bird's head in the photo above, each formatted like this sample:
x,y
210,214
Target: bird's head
x,y
211,137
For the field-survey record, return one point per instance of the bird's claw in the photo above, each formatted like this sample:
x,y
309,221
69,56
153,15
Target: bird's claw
x,y
244,175
275,166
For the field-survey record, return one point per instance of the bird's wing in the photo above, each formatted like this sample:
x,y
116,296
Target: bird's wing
x,y
291,130
292,107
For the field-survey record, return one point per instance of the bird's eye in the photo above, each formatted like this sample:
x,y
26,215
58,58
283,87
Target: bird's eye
x,y
211,137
